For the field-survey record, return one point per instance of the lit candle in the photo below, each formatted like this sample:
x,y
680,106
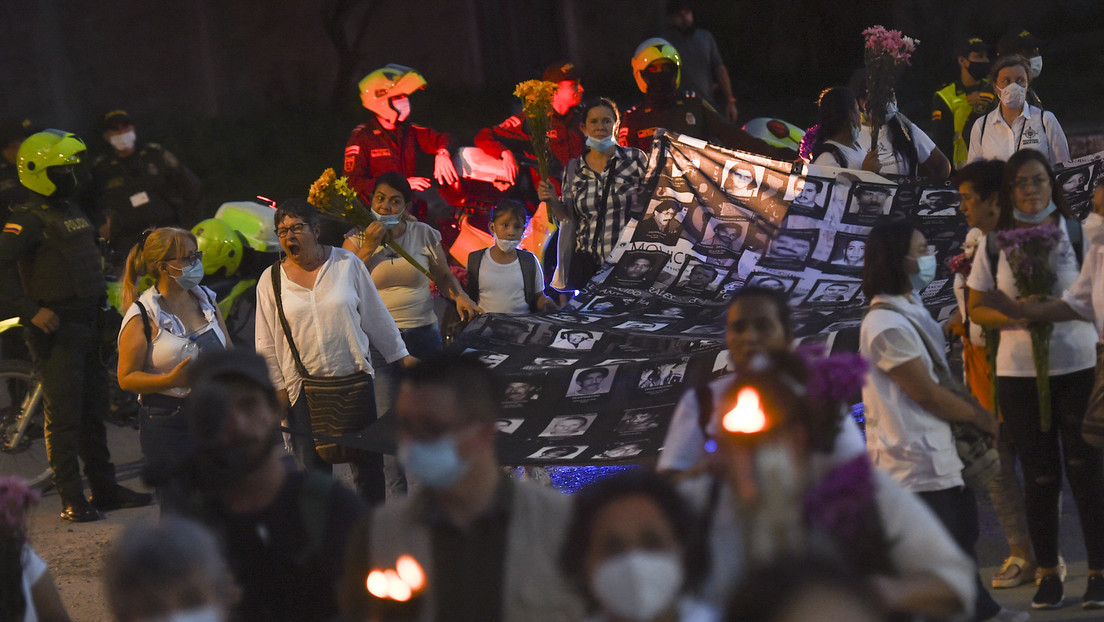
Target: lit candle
x,y
747,416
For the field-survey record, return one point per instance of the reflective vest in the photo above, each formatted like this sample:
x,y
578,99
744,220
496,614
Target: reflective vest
x,y
960,107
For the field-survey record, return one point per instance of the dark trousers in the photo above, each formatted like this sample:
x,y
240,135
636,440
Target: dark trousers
x,y
367,469
74,382
165,439
1042,455
956,508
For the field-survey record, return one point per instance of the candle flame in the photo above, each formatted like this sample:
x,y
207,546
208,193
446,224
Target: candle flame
x,y
397,589
377,584
410,572
747,416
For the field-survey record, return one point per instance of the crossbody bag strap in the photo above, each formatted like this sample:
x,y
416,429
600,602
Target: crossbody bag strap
x,y
284,323
941,370
145,321
600,215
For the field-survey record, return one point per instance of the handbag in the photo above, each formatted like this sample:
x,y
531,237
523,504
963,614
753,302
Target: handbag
x,y
1092,426
980,461
338,405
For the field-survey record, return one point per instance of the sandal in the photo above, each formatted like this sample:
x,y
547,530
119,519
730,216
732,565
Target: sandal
x,y
1061,571
1015,571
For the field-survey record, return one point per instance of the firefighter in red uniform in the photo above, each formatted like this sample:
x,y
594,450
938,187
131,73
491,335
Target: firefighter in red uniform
x,y
388,142
656,67
509,140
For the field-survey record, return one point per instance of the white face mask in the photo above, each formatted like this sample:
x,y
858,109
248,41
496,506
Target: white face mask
x,y
855,135
124,141
506,245
402,107
638,585
1013,95
1035,66
891,110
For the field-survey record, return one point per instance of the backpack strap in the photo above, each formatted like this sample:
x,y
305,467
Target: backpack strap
x,y
837,153
145,322
528,263
314,511
475,259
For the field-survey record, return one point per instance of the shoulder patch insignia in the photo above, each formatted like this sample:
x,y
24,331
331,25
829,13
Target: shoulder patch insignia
x,y
511,122
12,227
937,115
352,150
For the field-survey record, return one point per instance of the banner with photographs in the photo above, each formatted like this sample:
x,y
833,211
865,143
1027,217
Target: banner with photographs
x,y
598,381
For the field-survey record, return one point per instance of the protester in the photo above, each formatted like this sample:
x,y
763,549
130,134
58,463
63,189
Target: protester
x,y
954,102
163,330
601,191
908,409
632,551
388,142
703,70
805,588
1029,197
283,533
137,186
903,148
487,543
835,140
172,571
1020,42
772,495
51,277
1016,124
504,278
979,185
320,323
759,321
27,590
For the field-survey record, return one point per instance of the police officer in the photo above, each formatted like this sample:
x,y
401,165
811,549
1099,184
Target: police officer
x,y
956,101
50,243
12,134
510,140
136,187
656,67
388,142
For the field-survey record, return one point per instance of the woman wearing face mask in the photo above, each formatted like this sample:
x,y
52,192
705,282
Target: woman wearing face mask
x,y
1029,197
601,191
631,551
834,141
903,148
163,330
908,411
1016,124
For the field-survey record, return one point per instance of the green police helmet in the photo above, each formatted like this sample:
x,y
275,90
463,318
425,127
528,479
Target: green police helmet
x,y
41,151
220,244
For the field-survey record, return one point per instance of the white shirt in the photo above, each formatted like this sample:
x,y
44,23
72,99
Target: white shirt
x,y
890,161
403,288
331,324
851,153
33,569
1086,295
1071,345
1033,129
977,338
912,445
684,446
501,286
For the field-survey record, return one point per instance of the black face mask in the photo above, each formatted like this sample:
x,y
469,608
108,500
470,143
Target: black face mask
x,y
661,83
978,69
65,180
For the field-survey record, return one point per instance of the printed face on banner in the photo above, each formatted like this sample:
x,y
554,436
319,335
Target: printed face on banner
x,y
642,325
550,363
827,291
576,340
1074,180
782,284
808,196
725,236
661,375
637,422
490,359
939,203
591,381
668,312
606,305
624,450
507,426
507,331
638,268
698,279
559,452
790,248
662,225
569,425
740,179
867,203
518,391
848,251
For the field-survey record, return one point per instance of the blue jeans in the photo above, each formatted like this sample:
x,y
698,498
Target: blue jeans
x,y
165,439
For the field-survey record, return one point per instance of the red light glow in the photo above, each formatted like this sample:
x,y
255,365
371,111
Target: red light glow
x,y
747,416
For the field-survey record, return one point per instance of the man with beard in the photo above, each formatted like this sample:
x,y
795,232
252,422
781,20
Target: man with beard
x,y
284,532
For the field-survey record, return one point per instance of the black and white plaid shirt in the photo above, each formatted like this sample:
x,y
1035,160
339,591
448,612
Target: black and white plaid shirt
x,y
598,226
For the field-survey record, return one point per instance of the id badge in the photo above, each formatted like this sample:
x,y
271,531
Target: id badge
x,y
139,199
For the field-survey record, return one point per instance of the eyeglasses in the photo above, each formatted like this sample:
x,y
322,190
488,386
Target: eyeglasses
x,y
190,260
1023,183
282,232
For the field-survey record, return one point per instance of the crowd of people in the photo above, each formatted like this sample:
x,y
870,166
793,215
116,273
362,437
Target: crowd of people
x,y
762,472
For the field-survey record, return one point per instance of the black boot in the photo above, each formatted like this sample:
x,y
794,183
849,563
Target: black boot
x,y
78,509
119,497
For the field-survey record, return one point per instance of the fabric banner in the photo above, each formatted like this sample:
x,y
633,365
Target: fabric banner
x,y
597,382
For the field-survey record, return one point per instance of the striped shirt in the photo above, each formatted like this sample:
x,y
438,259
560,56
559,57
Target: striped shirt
x,y
598,223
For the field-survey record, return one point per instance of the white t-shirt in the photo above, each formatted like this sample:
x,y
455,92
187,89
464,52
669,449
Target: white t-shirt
x,y
331,324
977,338
913,446
404,289
684,446
1033,129
1086,295
1071,345
851,153
501,287
33,569
891,162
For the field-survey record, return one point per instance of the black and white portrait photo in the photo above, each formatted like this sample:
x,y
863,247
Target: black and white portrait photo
x,y
661,225
790,248
575,339
569,425
784,284
808,196
829,291
741,180
624,450
637,422
867,203
848,251
938,203
638,268
591,381
507,331
507,426
698,279
558,452
520,391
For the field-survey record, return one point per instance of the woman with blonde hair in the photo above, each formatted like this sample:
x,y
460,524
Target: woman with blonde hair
x,y
163,329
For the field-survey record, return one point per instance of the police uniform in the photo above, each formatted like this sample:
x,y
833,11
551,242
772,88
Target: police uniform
x,y
373,150
687,114
49,258
12,192
951,109
565,140
149,188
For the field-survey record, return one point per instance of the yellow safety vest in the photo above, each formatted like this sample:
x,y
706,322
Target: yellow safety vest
x,y
960,107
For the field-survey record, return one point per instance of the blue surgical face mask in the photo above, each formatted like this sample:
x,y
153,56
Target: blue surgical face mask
x,y
603,144
388,220
190,276
920,280
1034,219
436,464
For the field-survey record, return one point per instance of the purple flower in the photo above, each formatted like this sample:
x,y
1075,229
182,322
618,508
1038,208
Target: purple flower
x,y
15,498
806,148
834,378
837,503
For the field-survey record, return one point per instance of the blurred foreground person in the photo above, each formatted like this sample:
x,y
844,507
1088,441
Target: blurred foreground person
x,y
806,588
283,532
27,590
171,571
487,543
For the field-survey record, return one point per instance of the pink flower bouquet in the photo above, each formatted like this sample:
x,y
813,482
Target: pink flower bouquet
x,y
886,52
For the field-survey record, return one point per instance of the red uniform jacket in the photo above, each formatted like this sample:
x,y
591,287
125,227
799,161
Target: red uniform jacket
x,y
565,139
373,151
